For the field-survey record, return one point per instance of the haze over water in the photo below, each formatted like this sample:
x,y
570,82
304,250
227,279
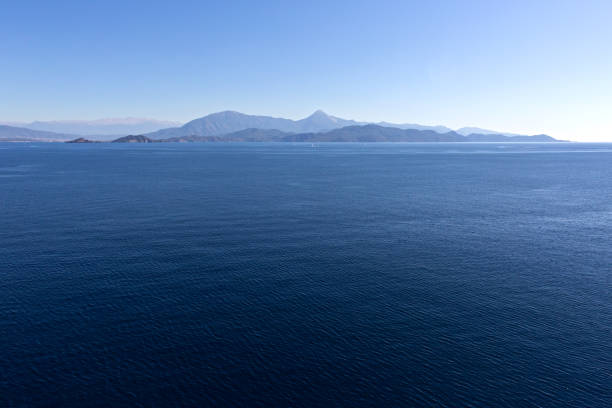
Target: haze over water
x,y
306,275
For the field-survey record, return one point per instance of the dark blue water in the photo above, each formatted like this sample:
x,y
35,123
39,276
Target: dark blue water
x,y
473,275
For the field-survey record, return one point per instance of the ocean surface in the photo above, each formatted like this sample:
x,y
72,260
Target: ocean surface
x,y
327,275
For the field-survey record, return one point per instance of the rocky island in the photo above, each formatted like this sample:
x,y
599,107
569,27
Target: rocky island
x,y
133,139
82,140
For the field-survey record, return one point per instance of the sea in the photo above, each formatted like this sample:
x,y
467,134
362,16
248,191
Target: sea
x,y
306,275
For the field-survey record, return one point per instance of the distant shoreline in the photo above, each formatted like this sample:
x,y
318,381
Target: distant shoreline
x,y
231,126
356,134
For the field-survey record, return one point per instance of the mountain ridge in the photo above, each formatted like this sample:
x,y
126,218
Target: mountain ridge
x,y
355,133
106,127
225,125
471,130
19,134
225,122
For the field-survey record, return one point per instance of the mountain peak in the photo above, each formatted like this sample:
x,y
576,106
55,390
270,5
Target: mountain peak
x,y
225,113
319,113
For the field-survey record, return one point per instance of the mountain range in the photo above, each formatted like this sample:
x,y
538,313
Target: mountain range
x,y
355,133
319,127
222,123
103,128
20,134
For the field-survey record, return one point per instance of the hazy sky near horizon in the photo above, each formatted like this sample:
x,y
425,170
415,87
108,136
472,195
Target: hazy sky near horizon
x,y
521,66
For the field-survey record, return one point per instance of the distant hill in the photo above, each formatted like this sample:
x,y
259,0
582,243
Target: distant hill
x,y
18,134
376,133
222,123
479,131
505,138
245,135
100,127
439,129
133,139
82,140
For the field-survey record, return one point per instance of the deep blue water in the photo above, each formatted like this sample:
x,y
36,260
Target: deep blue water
x,y
449,275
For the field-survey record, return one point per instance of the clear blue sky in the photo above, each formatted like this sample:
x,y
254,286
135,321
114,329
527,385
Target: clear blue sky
x,y
523,66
